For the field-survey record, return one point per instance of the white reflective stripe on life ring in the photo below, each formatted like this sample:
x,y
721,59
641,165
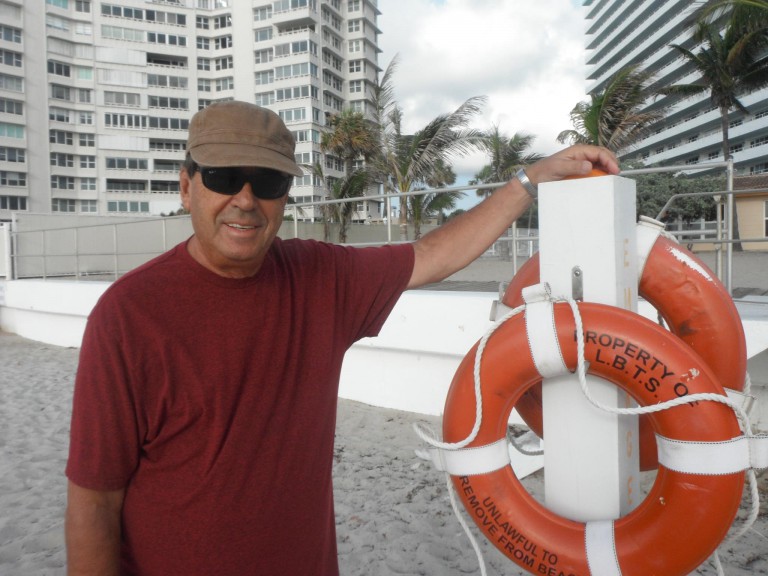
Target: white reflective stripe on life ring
x,y
713,458
471,461
542,332
601,548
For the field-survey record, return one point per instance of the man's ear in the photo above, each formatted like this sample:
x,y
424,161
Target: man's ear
x,y
185,182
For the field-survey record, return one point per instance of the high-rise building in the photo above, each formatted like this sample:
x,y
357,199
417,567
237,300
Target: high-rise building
x,y
623,32
96,97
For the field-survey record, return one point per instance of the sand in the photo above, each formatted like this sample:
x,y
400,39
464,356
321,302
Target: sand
x,y
392,510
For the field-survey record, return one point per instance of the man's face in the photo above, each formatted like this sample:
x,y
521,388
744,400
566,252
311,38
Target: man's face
x,y
232,233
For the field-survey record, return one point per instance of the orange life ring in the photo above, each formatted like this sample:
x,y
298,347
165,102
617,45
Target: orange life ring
x,y
683,518
696,307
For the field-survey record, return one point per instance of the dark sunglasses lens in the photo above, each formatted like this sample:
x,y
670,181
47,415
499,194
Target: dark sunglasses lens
x,y
222,180
267,184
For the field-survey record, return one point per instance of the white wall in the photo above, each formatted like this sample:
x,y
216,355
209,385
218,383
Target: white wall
x,y
409,366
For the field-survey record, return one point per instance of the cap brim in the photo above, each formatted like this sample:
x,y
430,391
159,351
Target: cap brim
x,y
240,155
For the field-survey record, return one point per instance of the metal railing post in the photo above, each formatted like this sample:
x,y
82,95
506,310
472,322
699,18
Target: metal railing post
x,y
729,234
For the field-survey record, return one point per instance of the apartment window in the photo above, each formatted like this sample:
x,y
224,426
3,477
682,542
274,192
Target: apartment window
x,y
266,77
12,154
118,33
11,106
61,137
128,207
713,155
10,34
172,18
293,115
262,13
203,63
11,130
168,103
127,164
355,46
168,123
203,85
262,56
122,99
13,202
10,58
227,83
89,206
11,83
59,69
84,95
87,161
353,6
355,66
83,6
58,3
203,43
132,121
263,34
202,23
84,28
692,160
226,41
167,145
159,80
13,178
225,63
223,21
87,140
737,148
170,39
264,98
164,186
126,186
88,184
356,86
59,92
62,182
62,205
59,114
62,160
354,25
85,118
763,140
759,169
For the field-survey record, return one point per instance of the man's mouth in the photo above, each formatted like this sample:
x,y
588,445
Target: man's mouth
x,y
240,226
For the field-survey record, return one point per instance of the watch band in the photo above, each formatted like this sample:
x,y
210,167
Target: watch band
x,y
530,187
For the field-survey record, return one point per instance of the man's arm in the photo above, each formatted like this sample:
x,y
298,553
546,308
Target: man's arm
x,y
454,245
92,531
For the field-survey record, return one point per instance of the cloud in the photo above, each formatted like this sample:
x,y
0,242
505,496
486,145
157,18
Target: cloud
x,y
526,57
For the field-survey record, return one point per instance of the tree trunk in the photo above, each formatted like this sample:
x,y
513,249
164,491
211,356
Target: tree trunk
x,y
732,218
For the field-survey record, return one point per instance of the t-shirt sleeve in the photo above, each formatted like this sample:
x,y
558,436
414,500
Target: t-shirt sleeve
x,y
376,280
104,435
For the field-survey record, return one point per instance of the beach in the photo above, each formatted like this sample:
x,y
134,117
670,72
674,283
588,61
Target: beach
x,y
393,514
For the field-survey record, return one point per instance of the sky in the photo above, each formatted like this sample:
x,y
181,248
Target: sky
x,y
525,56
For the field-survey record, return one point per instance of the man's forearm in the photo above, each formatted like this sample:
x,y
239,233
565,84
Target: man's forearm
x,y
92,531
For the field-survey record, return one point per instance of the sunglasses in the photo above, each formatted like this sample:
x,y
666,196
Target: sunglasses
x,y
265,184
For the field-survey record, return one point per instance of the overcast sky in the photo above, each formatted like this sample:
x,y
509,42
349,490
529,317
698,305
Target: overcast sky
x,y
526,56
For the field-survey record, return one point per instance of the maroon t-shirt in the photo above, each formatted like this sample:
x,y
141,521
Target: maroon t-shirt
x,y
212,401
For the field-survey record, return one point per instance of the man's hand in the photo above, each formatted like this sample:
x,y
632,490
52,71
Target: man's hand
x,y
577,160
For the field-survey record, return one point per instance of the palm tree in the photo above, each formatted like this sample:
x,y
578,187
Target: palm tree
x,y
350,137
411,161
615,118
352,185
425,206
506,156
729,63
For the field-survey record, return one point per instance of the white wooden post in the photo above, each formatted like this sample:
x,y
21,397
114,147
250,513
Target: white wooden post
x,y
591,457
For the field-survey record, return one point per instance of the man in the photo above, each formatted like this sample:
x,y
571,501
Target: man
x,y
205,401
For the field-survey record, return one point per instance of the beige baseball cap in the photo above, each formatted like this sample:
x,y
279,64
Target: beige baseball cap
x,y
236,133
